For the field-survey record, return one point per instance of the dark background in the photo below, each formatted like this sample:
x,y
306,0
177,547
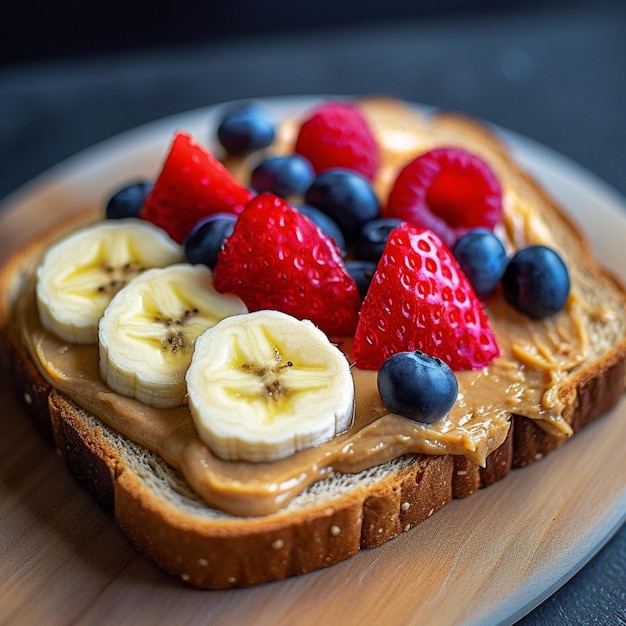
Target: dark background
x,y
75,73
31,30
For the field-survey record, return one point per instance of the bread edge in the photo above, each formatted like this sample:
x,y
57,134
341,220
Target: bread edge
x,y
252,551
259,550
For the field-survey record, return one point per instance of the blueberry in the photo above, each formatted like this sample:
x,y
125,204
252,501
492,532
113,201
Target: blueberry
x,y
371,240
128,201
284,176
536,281
418,386
206,238
482,258
362,272
245,127
326,224
345,196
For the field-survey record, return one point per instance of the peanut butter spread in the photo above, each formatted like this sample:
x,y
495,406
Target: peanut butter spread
x,y
523,380
526,379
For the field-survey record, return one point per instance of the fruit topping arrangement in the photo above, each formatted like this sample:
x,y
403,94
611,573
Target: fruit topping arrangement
x,y
192,184
283,175
536,281
426,402
128,201
399,282
237,367
246,128
337,135
81,273
277,259
482,257
419,299
170,307
447,190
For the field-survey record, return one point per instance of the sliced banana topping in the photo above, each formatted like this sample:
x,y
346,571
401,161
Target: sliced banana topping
x,y
148,331
82,272
265,385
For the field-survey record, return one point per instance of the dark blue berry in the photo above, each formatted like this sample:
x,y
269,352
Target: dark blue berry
x,y
362,272
417,386
536,281
284,175
206,238
345,196
245,127
128,201
482,258
327,225
372,238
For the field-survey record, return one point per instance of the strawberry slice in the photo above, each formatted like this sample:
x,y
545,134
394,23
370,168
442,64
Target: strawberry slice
x,y
419,299
277,258
192,184
338,135
449,191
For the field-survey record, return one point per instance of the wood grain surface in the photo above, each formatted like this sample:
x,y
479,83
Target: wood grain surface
x,y
486,559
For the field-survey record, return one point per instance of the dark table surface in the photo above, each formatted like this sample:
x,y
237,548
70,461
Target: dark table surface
x,y
556,75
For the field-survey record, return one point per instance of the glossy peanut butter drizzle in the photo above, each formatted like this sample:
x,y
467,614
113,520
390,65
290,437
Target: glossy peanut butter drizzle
x,y
524,380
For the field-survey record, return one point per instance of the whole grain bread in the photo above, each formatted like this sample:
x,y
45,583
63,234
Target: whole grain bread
x,y
344,513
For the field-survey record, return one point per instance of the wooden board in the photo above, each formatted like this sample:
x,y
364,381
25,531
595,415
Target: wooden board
x,y
486,559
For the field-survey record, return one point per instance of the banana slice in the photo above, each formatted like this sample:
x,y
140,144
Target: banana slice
x,y
82,272
148,331
265,385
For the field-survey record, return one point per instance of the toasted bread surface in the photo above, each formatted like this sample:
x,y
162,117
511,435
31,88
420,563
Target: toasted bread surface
x,y
344,513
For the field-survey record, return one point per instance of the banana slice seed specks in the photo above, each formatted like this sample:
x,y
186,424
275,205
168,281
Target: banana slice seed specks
x,y
82,272
265,385
148,332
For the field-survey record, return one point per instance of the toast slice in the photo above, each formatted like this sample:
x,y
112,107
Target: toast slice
x,y
335,517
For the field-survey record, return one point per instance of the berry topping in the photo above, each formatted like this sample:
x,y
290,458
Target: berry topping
x,y
128,201
327,224
347,197
420,299
482,258
536,281
277,258
244,128
338,135
207,238
372,238
283,175
448,191
362,272
191,185
417,386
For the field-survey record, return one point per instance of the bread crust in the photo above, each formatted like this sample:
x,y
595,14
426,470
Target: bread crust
x,y
234,552
211,550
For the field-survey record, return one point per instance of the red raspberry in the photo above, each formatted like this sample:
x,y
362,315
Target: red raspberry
x,y
338,135
276,258
192,184
448,191
419,299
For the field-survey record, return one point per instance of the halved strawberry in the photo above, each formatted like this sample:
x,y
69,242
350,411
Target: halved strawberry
x,y
338,135
419,299
447,190
192,184
277,258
